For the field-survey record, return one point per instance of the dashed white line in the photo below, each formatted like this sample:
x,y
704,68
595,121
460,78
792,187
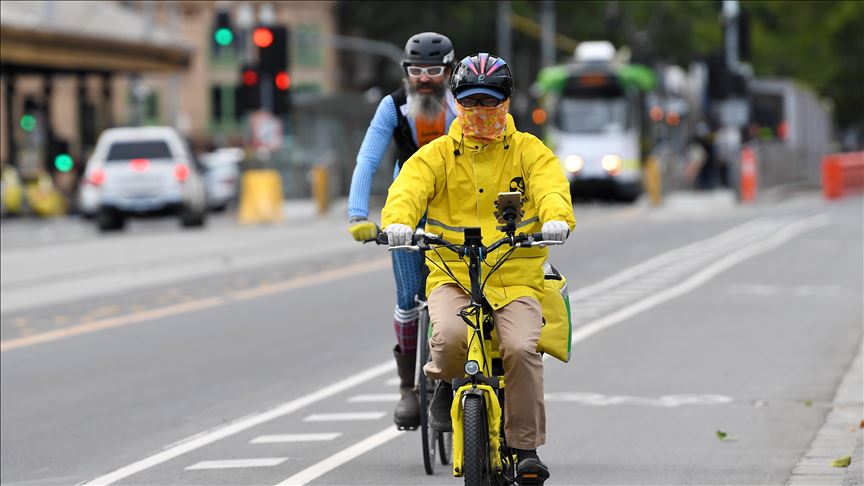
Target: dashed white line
x,y
284,438
344,417
238,463
242,424
374,398
343,456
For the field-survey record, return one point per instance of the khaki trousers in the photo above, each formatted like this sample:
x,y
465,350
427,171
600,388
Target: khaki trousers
x,y
518,324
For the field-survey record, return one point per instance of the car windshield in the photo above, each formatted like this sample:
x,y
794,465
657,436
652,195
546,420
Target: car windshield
x,y
143,149
578,115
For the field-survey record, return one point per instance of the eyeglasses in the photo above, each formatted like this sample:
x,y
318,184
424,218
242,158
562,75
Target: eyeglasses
x,y
431,71
472,102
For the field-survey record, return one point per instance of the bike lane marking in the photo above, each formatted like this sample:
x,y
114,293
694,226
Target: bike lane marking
x,y
343,456
208,437
581,333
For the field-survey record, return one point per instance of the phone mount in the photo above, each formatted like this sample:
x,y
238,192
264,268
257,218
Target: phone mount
x,y
509,211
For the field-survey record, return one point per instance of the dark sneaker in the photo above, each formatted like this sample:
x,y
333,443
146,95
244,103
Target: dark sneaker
x,y
439,409
530,470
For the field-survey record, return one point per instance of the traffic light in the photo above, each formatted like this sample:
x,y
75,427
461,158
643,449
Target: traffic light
x,y
273,51
282,94
223,33
272,45
248,92
61,160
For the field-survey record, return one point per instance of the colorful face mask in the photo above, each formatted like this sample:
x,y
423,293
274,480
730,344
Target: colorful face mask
x,y
484,123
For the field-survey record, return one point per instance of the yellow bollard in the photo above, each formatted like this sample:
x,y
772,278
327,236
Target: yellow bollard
x,y
653,183
260,197
320,188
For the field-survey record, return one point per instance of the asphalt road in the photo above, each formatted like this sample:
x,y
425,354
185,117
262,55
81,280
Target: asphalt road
x,y
695,318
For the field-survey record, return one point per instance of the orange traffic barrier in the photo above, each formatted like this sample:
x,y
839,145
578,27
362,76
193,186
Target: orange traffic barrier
x,y
842,174
748,178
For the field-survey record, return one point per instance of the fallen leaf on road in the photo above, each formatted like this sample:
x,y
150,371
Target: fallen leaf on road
x,y
841,462
862,424
725,437
808,403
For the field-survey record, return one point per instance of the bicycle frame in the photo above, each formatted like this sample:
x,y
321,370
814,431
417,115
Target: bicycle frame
x,y
480,379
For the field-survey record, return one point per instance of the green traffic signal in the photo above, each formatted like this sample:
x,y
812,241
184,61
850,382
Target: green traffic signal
x,y
63,162
27,123
224,36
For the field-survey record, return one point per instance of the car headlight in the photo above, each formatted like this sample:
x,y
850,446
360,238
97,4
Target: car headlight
x,y
611,163
574,163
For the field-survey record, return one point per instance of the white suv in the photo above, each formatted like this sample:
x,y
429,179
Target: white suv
x,y
144,170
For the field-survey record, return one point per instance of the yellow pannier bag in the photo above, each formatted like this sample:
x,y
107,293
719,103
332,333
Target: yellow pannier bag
x,y
556,333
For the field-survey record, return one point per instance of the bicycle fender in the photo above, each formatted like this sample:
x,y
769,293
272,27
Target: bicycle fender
x,y
494,417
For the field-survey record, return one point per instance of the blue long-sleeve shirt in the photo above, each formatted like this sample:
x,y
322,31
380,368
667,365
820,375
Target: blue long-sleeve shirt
x,y
374,146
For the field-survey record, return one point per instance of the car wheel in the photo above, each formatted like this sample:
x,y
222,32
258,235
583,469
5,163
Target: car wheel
x,y
110,220
192,219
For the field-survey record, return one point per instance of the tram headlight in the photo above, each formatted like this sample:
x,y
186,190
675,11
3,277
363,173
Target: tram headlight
x,y
611,163
574,163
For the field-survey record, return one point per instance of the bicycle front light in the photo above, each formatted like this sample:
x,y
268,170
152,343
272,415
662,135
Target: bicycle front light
x,y
472,367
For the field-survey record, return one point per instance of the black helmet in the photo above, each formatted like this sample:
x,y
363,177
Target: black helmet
x,y
428,48
483,73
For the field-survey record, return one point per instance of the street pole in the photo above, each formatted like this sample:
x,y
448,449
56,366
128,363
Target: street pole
x,y
547,34
730,14
504,39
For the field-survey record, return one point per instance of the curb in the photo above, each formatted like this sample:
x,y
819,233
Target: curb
x,y
835,439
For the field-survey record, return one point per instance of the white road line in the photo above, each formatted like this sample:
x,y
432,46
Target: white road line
x,y
341,457
584,332
581,333
205,438
670,256
283,438
374,398
238,463
344,417
392,381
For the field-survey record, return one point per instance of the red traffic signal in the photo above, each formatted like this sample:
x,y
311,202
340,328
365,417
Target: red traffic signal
x,y
283,81
250,77
262,37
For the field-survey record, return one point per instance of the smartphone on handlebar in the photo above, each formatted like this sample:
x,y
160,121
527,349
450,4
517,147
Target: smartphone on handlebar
x,y
509,207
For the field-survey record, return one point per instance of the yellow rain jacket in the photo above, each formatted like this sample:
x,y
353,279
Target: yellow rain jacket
x,y
460,190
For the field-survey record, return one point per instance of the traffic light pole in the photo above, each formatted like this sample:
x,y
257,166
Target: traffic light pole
x,y
266,86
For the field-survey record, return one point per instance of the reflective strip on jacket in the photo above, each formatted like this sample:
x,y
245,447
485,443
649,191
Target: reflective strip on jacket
x,y
460,191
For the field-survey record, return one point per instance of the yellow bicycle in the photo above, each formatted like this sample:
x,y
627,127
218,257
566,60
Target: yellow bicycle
x,y
480,452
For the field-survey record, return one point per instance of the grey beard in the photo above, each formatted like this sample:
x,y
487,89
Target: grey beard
x,y
428,106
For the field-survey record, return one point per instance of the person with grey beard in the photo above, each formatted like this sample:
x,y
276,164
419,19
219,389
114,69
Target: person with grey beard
x,y
414,115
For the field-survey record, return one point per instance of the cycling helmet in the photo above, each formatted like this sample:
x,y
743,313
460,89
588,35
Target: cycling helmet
x,y
428,48
482,73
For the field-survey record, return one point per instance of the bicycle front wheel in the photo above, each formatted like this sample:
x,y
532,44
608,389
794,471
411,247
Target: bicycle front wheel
x,y
475,461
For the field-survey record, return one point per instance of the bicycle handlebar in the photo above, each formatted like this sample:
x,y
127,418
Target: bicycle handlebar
x,y
422,241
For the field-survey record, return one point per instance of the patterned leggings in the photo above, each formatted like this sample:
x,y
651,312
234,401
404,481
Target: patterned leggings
x,y
409,270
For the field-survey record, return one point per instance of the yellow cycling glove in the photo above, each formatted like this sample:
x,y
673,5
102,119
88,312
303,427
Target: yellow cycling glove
x,y
363,230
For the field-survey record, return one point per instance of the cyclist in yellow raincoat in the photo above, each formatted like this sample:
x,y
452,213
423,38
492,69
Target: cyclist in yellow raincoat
x,y
457,178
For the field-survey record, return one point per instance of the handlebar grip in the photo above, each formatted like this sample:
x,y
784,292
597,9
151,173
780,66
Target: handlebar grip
x,y
537,236
381,239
